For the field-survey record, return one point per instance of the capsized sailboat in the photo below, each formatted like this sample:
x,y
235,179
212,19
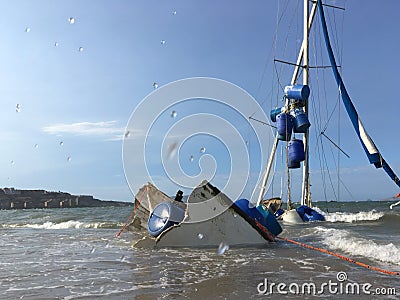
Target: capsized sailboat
x,y
207,219
293,117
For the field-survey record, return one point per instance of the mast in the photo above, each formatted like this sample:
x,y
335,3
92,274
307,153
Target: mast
x,y
267,171
308,19
305,186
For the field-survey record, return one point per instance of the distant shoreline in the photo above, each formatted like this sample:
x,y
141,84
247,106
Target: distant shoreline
x,y
11,198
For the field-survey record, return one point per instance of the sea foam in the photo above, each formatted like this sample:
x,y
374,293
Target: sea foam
x,y
63,225
353,217
344,240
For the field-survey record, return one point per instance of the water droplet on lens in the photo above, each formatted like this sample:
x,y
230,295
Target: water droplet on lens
x,y
172,150
174,114
155,85
69,158
191,158
202,150
27,29
200,236
222,248
12,162
162,42
36,146
247,143
71,20
174,12
127,134
61,143
80,49
56,44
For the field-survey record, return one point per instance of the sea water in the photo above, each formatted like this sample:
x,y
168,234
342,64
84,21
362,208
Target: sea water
x,y
74,254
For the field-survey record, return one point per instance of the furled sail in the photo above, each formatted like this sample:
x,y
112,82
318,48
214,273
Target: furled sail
x,y
371,150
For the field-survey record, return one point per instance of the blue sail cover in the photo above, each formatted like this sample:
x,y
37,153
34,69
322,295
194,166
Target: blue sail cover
x,y
370,149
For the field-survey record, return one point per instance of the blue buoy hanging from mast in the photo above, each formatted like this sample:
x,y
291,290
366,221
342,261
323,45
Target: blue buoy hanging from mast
x,y
297,92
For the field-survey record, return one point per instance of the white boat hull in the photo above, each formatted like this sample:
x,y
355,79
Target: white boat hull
x,y
292,217
223,226
228,228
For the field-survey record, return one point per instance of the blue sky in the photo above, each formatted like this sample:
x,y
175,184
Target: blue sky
x,y
74,105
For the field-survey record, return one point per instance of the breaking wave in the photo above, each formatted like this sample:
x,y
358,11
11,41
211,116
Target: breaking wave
x,y
63,225
344,240
353,217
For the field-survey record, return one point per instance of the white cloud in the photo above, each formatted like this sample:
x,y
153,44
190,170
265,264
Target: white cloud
x,y
104,128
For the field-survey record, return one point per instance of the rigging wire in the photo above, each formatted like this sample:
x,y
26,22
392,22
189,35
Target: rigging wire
x,y
317,107
333,26
291,24
317,111
294,17
329,173
289,201
319,144
279,18
321,89
339,51
267,62
277,73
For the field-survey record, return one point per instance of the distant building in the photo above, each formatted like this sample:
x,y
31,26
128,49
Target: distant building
x,y
11,191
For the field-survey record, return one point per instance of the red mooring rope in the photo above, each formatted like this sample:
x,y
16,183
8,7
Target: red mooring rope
x,y
132,214
339,256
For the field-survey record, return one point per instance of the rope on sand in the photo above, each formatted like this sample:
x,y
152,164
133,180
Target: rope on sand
x,y
340,256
